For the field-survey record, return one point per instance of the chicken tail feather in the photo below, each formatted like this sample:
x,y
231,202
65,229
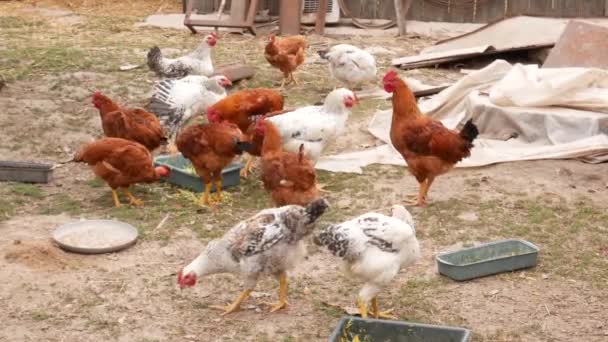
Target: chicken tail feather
x,y
323,53
469,132
301,153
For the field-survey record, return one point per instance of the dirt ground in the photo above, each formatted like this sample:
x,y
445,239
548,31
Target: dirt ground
x,y
54,54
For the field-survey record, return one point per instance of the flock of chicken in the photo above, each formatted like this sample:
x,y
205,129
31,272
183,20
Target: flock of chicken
x,y
373,246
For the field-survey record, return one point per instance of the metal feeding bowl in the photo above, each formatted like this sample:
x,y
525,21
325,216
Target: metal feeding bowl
x,y
95,236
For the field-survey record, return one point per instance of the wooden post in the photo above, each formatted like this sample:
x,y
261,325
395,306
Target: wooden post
x,y
401,9
321,14
289,17
238,12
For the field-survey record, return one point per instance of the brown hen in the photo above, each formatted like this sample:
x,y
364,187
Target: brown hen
x,y
241,107
133,124
286,54
211,147
121,163
289,177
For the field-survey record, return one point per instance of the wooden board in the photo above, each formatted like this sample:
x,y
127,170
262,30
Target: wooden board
x,y
235,72
581,45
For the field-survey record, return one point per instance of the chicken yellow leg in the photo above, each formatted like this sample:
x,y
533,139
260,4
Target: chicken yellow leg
x,y
293,79
248,166
282,294
115,198
283,83
420,199
381,314
362,307
132,199
321,188
218,190
204,200
236,306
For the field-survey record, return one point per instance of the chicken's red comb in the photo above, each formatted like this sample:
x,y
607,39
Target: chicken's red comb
x,y
214,34
391,75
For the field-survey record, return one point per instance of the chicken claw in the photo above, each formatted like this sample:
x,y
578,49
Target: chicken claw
x,y
321,188
245,171
132,199
234,307
381,314
282,294
293,79
228,309
278,306
204,200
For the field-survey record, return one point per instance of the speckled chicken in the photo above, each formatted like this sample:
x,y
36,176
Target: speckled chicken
x,y
270,242
374,247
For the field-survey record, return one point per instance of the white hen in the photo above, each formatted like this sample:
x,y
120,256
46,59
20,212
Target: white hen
x,y
174,102
374,248
350,65
315,126
197,62
268,243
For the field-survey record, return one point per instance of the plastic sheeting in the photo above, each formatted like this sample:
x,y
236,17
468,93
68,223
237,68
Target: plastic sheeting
x,y
522,112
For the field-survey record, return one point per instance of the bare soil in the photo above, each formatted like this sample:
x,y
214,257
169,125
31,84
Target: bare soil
x,y
57,53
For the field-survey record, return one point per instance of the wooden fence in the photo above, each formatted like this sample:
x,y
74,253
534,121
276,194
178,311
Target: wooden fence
x,y
478,11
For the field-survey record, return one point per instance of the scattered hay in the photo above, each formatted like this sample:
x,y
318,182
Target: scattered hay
x,y
39,255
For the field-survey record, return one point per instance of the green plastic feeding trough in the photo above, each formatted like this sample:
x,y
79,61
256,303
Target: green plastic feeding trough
x,y
184,175
486,259
352,329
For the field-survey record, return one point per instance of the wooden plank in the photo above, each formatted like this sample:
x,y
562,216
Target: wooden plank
x,y
568,52
436,57
235,72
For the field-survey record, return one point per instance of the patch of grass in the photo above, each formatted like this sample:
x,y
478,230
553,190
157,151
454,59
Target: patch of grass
x,y
96,183
63,203
570,235
40,315
7,208
10,22
28,190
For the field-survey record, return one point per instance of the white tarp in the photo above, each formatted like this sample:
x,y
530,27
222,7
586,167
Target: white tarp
x,y
522,112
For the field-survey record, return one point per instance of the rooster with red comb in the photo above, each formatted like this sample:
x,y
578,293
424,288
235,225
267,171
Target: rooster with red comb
x,y
429,148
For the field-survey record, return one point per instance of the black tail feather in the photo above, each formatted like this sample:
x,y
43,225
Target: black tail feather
x,y
322,53
469,132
